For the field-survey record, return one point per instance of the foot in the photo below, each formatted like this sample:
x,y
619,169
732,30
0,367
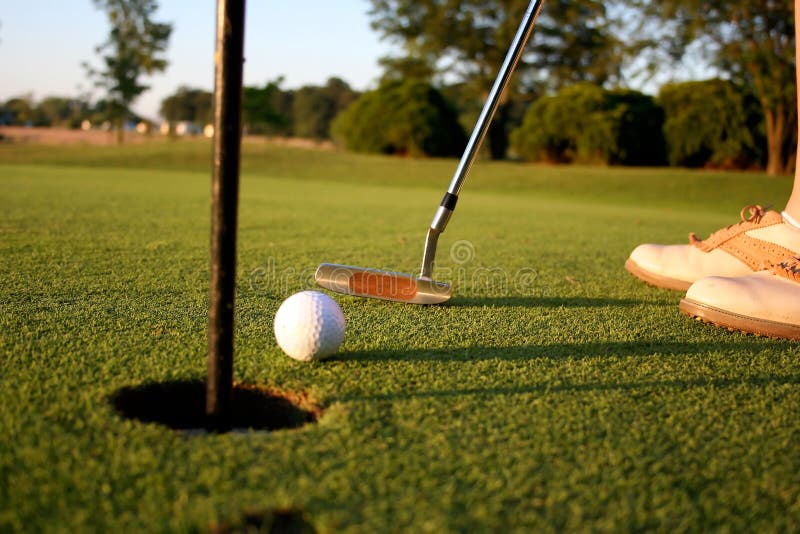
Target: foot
x,y
765,303
760,239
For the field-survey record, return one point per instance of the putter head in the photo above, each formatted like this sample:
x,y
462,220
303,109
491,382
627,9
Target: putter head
x,y
385,285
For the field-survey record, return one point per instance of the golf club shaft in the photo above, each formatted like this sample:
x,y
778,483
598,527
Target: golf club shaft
x,y
448,204
493,100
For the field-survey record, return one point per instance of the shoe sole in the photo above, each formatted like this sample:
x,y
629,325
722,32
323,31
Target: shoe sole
x,y
734,321
655,280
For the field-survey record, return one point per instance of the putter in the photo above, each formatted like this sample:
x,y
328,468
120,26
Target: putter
x,y
400,287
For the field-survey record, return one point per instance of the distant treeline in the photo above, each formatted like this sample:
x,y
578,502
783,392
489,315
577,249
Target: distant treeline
x,y
713,123
269,110
56,111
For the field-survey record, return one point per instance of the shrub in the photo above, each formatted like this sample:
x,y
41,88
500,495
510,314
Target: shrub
x,y
401,117
711,123
588,124
638,129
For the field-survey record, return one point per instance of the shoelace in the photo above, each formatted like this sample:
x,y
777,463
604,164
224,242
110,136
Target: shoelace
x,y
788,268
755,213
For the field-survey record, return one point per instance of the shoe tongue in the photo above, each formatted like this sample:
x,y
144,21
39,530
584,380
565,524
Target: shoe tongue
x,y
771,217
766,218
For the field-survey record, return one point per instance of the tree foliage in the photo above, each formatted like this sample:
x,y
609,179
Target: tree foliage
x,y
62,111
267,110
135,47
407,68
710,122
749,41
585,123
188,104
20,110
465,42
56,111
314,108
469,38
409,118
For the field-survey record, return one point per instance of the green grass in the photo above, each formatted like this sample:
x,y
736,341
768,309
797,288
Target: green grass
x,y
558,394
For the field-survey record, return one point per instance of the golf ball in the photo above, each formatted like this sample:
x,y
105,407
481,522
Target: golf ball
x,y
309,326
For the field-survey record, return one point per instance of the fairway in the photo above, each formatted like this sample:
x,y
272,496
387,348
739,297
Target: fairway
x,y
553,392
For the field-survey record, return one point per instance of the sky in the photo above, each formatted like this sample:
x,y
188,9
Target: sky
x,y
43,44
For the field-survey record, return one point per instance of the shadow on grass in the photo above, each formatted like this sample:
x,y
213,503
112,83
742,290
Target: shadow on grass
x,y
544,389
280,521
545,302
563,351
180,405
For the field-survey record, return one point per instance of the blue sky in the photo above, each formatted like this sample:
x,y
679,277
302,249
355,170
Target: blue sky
x,y
44,42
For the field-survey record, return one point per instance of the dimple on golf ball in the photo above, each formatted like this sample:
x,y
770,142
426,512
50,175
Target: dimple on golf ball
x,y
309,326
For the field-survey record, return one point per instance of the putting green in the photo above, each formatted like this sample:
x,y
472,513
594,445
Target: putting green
x,y
554,391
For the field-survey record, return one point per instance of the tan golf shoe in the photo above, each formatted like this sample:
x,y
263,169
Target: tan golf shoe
x,y
762,238
765,303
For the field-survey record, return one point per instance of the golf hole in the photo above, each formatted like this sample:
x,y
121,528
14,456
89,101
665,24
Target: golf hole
x,y
181,406
279,521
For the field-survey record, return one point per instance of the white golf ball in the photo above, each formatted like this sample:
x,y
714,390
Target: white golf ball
x,y
309,326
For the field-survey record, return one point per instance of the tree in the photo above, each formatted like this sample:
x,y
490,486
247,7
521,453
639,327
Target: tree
x,y
466,41
21,110
135,47
406,68
588,124
267,110
312,113
62,111
314,108
751,42
404,117
187,104
710,123
340,92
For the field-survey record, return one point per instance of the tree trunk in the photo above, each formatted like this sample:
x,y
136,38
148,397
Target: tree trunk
x,y
776,134
791,163
120,133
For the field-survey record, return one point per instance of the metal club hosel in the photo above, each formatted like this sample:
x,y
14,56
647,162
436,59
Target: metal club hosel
x,y
445,211
439,223
430,253
431,240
